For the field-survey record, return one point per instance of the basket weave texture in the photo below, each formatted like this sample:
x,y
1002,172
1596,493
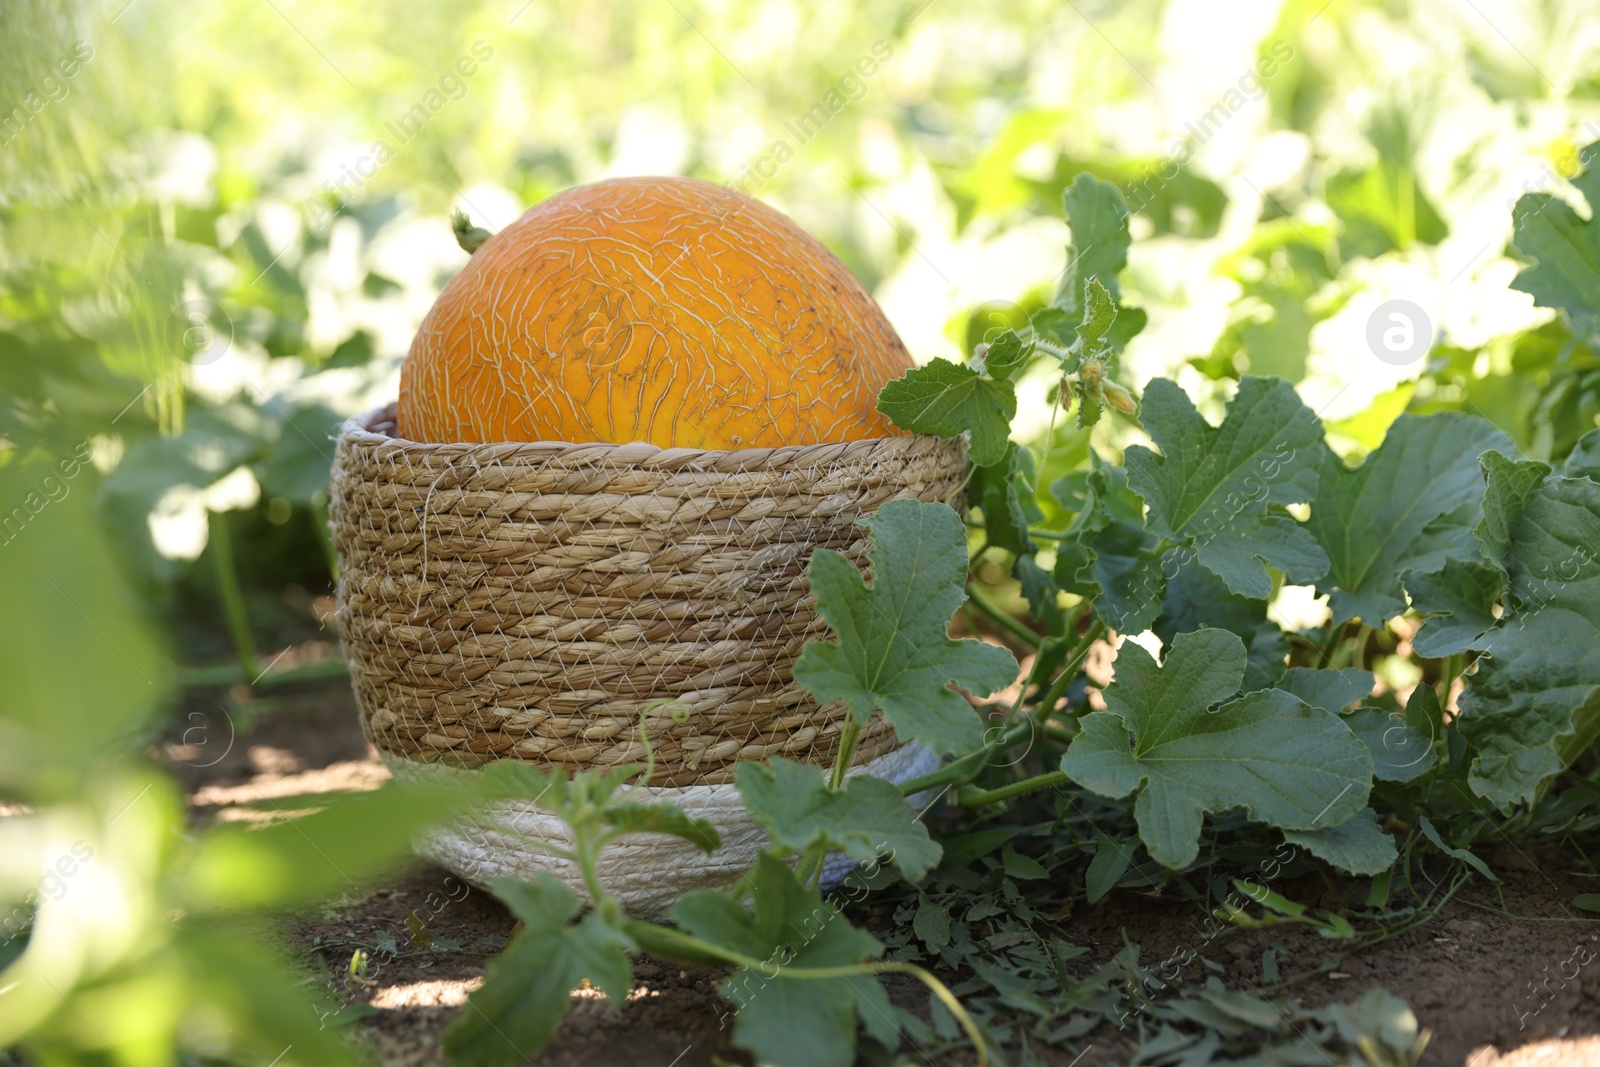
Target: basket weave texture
x,y
534,601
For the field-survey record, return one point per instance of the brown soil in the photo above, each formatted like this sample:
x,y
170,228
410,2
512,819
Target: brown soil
x,y
1470,976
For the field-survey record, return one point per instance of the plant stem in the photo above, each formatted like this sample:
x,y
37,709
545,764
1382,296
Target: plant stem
x,y
1050,348
588,856
319,519
1050,435
1454,666
965,768
1326,650
1069,671
1058,689
810,866
977,798
947,998
235,674
1059,734
233,597
1003,618
847,749
1363,635
936,987
809,870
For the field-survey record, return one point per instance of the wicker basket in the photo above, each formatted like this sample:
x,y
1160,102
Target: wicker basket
x,y
536,601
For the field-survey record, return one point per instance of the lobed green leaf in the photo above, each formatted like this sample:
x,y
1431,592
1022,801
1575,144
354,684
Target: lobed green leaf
x,y
1534,702
1564,247
1507,483
527,989
1406,508
790,1021
1357,845
1458,601
868,820
1098,217
1287,764
947,399
1329,690
1196,598
892,650
1211,487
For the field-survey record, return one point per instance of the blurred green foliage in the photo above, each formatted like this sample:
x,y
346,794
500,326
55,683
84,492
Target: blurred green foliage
x,y
220,223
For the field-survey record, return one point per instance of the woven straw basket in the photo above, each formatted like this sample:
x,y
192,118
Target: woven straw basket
x,y
537,601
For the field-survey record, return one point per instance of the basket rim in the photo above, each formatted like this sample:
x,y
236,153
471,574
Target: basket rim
x,y
374,428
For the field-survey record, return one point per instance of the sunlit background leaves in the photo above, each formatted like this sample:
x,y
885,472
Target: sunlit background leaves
x,y
221,222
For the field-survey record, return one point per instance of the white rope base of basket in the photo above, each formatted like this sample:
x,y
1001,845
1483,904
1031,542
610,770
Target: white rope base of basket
x,y
647,873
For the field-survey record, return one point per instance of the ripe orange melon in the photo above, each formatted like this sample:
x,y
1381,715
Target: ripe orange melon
x,y
665,310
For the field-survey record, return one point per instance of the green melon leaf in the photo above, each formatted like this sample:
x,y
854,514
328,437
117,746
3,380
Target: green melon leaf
x,y
1356,845
1400,749
1237,553
663,819
1584,459
1108,557
1534,703
1462,854
1564,246
1507,483
1289,765
947,399
1039,589
1099,313
1196,598
1100,241
297,464
1383,209
593,801
892,650
1116,567
1424,713
1110,863
1458,600
1376,521
788,1022
1326,689
864,820
528,987
1099,493
1091,405
1005,492
1211,487
1007,356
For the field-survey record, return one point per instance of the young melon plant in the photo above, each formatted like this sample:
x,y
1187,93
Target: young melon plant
x,y
1238,741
